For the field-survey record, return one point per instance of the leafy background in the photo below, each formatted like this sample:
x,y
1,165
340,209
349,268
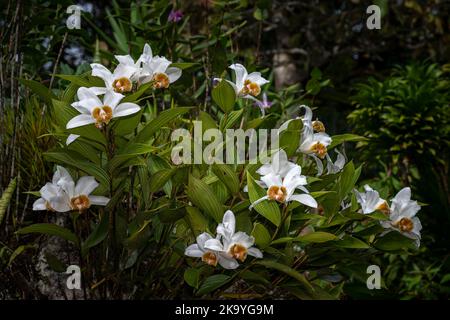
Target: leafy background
x,y
317,53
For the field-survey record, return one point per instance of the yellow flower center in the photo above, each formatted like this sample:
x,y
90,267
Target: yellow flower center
x,y
161,80
251,88
277,193
210,258
384,208
319,149
318,126
80,203
238,252
122,85
102,115
49,207
405,224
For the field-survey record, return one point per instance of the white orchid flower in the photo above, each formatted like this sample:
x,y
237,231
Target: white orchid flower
x,y
335,167
120,80
403,216
279,165
246,85
71,138
315,143
53,197
234,245
157,70
211,257
124,75
370,201
282,189
93,110
79,194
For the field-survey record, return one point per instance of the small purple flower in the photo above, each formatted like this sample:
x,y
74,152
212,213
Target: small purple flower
x,y
264,104
175,15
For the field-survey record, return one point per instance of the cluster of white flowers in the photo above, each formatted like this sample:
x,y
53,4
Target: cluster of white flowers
x,y
402,211
129,73
227,247
63,194
282,178
314,142
126,76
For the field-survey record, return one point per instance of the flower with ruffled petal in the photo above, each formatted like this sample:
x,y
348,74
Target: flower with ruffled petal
x,y
403,216
282,189
338,165
175,15
53,197
279,165
246,85
263,104
158,70
235,245
79,194
370,201
208,256
93,110
315,143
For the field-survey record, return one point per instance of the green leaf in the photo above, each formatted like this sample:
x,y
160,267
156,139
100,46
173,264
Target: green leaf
x,y
139,236
185,65
19,250
290,138
347,137
351,242
39,89
162,119
203,197
127,124
207,121
268,209
316,237
261,234
230,119
316,74
212,283
160,178
138,93
84,80
50,229
156,163
130,151
54,262
6,197
73,159
196,220
192,277
224,96
287,270
227,175
394,241
97,236
171,215
346,180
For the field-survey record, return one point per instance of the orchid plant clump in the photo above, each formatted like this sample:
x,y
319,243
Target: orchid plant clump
x,y
285,223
